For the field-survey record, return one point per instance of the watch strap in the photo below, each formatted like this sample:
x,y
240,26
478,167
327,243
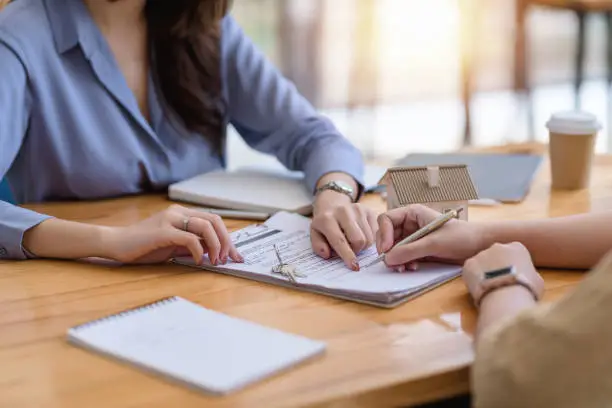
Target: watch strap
x,y
339,187
504,277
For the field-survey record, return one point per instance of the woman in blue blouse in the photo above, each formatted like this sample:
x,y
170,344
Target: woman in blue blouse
x,y
100,98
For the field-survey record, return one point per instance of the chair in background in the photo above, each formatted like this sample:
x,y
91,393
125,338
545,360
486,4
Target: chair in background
x,y
581,8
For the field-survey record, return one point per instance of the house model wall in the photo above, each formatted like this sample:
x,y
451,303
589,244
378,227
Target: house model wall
x,y
442,188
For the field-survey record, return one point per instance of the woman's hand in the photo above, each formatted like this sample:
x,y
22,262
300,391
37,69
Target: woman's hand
x,y
163,236
342,227
507,300
454,242
501,256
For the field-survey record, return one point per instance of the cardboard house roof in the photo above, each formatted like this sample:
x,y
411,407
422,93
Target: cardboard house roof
x,y
412,184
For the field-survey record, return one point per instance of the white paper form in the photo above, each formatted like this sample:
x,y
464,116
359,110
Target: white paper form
x,y
290,232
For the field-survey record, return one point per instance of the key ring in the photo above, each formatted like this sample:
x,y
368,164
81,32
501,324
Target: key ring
x,y
287,270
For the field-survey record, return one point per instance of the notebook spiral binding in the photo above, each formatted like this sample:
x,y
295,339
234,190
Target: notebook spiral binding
x,y
125,313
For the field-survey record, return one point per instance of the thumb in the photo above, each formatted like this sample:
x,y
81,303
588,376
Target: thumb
x,y
404,254
385,234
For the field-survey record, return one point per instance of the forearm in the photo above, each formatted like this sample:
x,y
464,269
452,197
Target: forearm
x,y
501,304
62,239
552,355
578,241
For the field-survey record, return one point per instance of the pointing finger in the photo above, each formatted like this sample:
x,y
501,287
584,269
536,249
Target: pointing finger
x,y
335,237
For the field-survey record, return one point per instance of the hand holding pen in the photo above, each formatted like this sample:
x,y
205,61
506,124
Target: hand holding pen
x,y
409,234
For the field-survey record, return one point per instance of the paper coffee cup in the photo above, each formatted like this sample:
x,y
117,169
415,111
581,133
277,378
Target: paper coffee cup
x,y
572,146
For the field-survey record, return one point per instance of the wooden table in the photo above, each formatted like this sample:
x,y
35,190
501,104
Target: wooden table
x,y
417,352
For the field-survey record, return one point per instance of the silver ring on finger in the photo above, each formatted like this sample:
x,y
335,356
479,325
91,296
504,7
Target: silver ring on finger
x,y
186,224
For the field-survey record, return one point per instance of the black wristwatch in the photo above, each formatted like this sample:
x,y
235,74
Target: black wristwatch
x,y
339,187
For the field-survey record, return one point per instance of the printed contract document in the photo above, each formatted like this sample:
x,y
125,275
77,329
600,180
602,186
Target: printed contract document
x,y
290,233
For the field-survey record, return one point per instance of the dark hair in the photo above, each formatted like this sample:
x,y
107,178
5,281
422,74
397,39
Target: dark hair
x,y
185,47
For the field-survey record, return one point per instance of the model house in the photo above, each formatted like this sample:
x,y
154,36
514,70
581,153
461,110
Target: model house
x,y
442,188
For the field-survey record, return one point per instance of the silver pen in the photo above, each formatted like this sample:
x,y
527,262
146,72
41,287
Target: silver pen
x,y
427,229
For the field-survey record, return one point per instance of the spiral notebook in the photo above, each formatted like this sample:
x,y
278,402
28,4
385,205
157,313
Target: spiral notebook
x,y
195,346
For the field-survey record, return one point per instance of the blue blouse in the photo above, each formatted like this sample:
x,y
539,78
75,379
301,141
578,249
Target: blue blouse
x,y
70,127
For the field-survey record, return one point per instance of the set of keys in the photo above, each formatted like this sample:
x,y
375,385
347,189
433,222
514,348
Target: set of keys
x,y
289,271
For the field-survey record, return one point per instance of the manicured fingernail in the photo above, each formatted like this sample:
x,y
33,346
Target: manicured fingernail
x,y
224,259
413,266
355,265
240,258
401,269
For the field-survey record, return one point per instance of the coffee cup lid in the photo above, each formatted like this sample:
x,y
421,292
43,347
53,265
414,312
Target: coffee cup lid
x,y
573,123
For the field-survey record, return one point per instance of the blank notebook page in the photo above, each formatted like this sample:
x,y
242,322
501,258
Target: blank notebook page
x,y
187,342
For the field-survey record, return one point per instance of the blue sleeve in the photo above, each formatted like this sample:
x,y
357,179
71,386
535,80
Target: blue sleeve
x,y
272,117
15,102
